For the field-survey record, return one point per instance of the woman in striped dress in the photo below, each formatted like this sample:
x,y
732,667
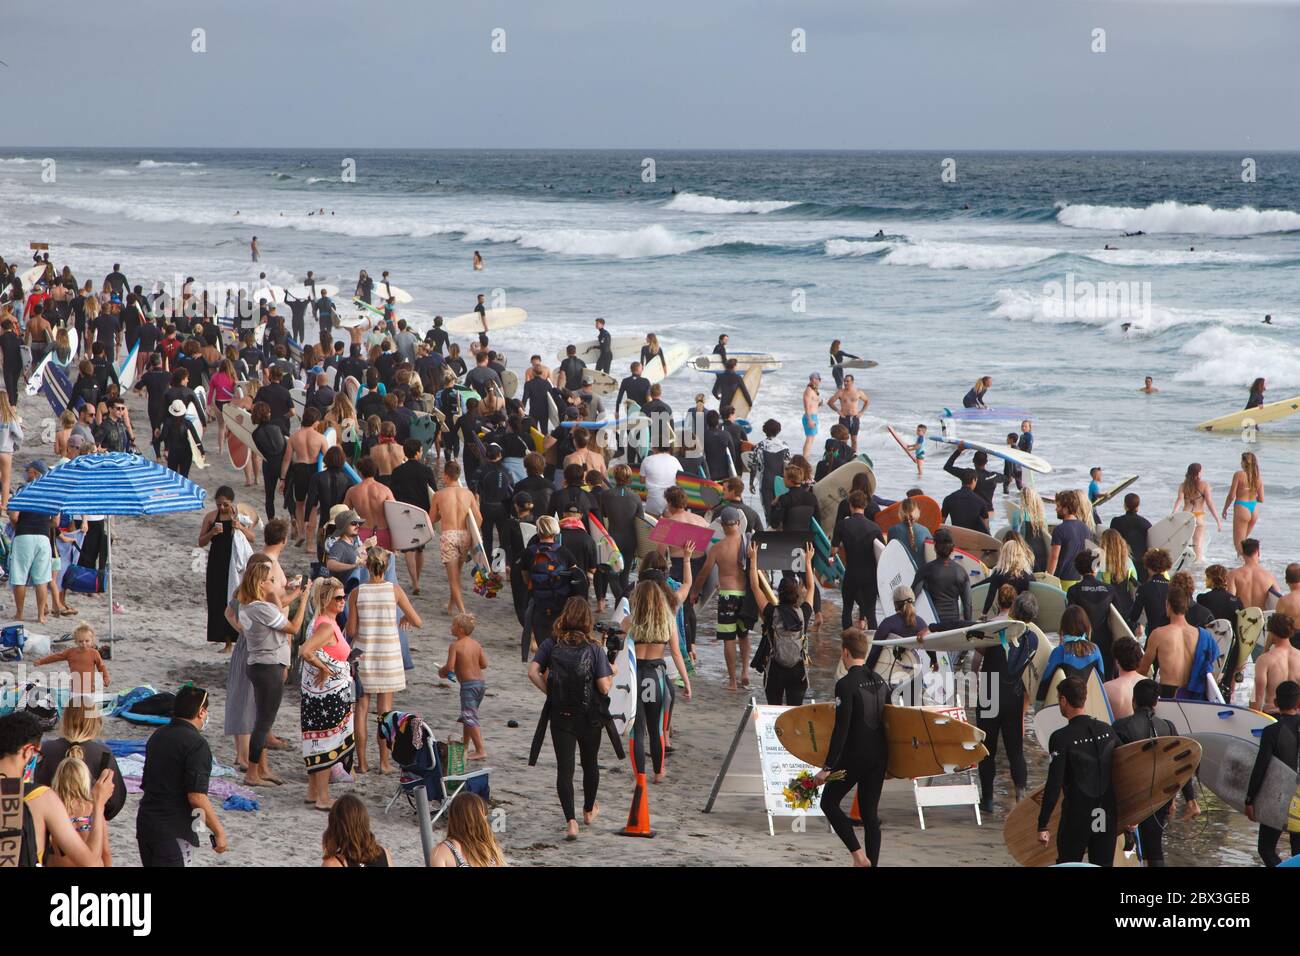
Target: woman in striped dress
x,y
373,620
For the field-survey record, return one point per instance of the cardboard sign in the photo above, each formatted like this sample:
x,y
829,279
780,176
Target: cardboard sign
x,y
781,551
675,534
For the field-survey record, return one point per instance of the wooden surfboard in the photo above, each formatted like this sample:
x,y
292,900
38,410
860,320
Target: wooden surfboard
x,y
1146,775
922,743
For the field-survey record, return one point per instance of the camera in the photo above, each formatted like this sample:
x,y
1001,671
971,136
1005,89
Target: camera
x,y
612,636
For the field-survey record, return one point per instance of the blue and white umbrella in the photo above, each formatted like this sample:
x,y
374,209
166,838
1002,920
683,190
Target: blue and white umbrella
x,y
109,484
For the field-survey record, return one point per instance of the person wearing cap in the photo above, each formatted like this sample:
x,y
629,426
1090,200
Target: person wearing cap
x,y
857,749
812,403
946,583
180,438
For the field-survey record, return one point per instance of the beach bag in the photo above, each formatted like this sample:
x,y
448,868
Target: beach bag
x,y
787,634
13,636
570,686
83,580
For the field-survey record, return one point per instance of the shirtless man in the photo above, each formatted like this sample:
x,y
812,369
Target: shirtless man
x,y
453,506
387,455
733,582
1119,690
357,333
1289,603
1148,386
367,499
1251,582
1281,662
849,403
812,402
536,370
305,446
1170,649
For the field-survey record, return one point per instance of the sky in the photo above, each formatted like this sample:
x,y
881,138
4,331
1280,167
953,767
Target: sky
x,y
703,74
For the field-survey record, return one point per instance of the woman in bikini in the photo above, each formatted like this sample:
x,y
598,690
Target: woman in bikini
x,y
1245,495
1194,495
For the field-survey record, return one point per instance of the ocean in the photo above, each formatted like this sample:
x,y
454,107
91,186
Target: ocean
x,y
1002,272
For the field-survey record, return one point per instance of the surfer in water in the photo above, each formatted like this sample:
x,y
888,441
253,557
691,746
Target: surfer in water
x,y
850,404
1256,397
1268,320
838,358
478,261
975,397
812,403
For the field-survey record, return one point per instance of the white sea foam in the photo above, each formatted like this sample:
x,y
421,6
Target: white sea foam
x,y
1175,217
1174,257
646,242
712,206
855,247
1221,357
118,172
1043,308
156,163
961,255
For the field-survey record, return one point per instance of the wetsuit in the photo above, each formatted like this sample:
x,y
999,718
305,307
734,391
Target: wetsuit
x,y
1150,599
986,482
948,586
1133,528
606,357
857,535
1096,599
1079,776
726,386
1019,581
858,748
1143,724
1001,712
1281,741
837,365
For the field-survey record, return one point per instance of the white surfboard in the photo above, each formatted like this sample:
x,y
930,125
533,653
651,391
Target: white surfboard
x,y
1173,534
408,524
1236,421
620,346
602,383
674,357
239,422
126,369
273,294
1051,603
744,361
973,566
1204,717
37,377
304,291
1118,488
896,567
497,319
30,277
192,414
1227,763
989,634
383,291
622,695
1022,458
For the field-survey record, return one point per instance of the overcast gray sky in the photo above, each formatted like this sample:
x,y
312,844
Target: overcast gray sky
x,y
877,74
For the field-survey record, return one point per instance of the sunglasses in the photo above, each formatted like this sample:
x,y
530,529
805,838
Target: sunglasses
x,y
338,597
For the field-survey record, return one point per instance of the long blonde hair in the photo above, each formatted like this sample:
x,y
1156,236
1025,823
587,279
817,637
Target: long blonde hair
x,y
1031,507
71,780
80,724
654,619
1114,556
1014,559
323,588
1083,510
7,413
910,513
257,576
468,825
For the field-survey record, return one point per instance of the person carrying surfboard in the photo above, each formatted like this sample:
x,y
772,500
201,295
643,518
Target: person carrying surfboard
x,y
1279,741
858,753
1079,777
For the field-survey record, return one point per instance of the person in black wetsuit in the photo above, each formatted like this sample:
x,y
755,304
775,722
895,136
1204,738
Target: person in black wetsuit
x,y
1279,741
947,583
635,387
1001,712
857,748
986,482
1015,567
854,539
966,509
1134,529
975,397
1079,777
1153,593
728,383
1256,398
1096,599
1143,724
606,355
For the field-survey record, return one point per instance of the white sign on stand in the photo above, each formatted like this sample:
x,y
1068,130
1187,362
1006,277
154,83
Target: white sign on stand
x,y
947,795
757,764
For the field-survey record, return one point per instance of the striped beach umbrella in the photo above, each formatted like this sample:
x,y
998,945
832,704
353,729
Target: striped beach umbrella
x,y
113,483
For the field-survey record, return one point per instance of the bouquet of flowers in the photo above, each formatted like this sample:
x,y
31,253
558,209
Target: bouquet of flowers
x,y
801,792
486,583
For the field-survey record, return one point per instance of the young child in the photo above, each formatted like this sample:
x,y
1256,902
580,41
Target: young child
x,y
83,661
72,783
465,659
918,450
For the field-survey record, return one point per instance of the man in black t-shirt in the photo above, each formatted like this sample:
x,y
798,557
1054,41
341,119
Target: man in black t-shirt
x,y
413,483
964,508
280,401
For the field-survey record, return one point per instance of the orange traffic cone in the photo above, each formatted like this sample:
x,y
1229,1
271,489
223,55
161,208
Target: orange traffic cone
x,y
855,815
638,817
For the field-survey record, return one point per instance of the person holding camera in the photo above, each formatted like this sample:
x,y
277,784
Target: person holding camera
x,y
574,673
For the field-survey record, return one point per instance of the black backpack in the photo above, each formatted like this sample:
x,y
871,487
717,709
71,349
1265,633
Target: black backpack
x,y
570,686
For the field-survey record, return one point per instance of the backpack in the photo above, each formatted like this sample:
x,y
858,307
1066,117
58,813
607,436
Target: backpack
x,y
570,686
786,629
548,573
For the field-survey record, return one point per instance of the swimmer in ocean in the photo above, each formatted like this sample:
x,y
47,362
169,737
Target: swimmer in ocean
x,y
1148,386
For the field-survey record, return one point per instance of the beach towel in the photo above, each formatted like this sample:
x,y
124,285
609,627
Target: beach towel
x,y
1201,672
240,552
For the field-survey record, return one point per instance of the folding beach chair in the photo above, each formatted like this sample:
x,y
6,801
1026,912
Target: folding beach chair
x,y
416,751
